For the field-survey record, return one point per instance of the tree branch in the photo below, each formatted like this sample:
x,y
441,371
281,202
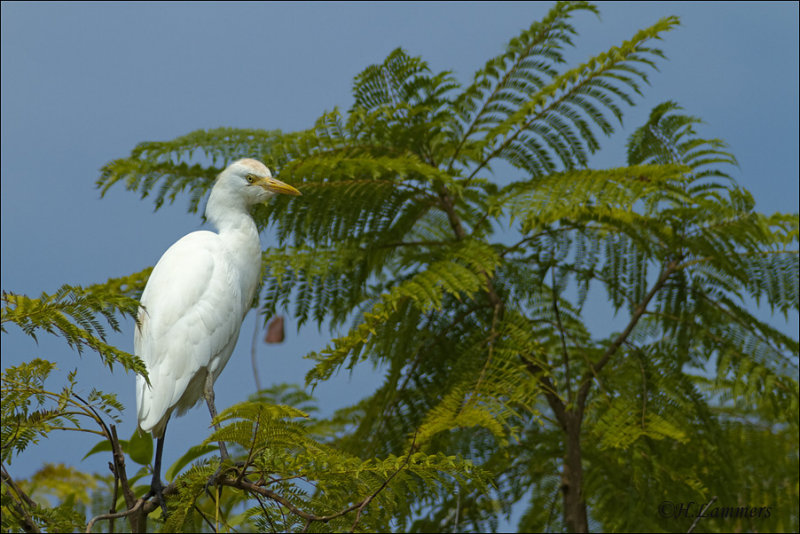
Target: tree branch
x,y
117,515
368,500
246,485
19,506
701,514
119,465
551,393
565,354
583,393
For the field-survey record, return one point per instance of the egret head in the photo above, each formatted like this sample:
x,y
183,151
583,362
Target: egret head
x,y
253,179
242,184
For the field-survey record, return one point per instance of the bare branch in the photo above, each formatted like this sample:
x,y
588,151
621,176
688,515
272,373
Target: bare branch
x,y
701,514
126,513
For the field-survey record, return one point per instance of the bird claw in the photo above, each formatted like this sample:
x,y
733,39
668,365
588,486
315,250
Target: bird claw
x,y
157,491
213,480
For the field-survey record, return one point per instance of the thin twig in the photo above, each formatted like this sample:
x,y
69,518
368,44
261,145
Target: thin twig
x,y
126,513
119,464
703,511
489,357
113,508
668,271
249,486
310,518
550,231
396,244
266,513
253,347
97,415
252,449
203,516
21,494
550,392
27,521
565,354
366,501
114,468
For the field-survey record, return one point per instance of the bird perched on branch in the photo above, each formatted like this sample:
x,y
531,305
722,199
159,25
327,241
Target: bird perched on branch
x,y
194,303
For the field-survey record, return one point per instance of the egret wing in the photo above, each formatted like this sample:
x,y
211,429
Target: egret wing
x,y
190,314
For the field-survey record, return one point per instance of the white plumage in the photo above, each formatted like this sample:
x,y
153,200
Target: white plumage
x,y
197,296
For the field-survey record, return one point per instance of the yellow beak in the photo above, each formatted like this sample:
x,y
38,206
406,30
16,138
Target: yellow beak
x,y
276,186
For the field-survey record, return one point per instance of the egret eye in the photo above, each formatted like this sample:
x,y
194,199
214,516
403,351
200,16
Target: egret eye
x,y
251,178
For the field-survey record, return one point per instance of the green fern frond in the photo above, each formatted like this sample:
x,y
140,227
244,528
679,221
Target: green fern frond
x,y
564,105
72,312
670,138
611,195
508,80
460,275
30,411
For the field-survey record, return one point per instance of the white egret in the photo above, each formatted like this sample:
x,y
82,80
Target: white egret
x,y
195,301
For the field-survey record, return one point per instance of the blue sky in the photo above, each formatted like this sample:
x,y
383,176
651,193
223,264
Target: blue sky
x,y
83,83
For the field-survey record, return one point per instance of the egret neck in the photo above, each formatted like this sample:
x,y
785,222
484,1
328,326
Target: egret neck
x,y
230,215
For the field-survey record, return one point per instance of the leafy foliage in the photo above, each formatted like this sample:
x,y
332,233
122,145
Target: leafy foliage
x,y
30,411
472,293
72,312
313,480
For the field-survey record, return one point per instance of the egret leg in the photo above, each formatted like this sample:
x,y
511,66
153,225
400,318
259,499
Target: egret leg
x,y
208,393
156,488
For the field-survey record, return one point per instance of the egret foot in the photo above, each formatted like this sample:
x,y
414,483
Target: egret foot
x,y
213,480
157,491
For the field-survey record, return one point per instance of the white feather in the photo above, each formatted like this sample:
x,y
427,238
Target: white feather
x,y
197,296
